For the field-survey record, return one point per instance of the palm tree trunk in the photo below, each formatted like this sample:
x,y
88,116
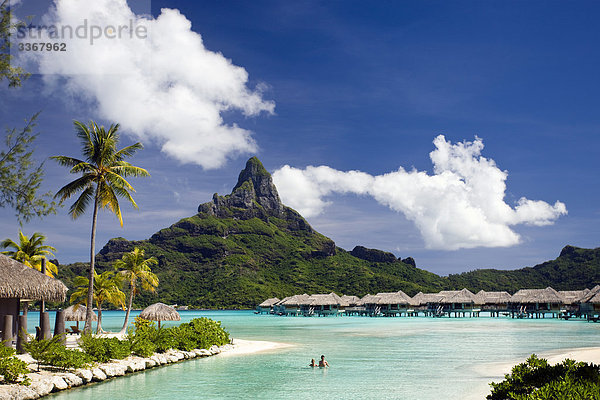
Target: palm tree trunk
x,y
99,327
90,301
132,289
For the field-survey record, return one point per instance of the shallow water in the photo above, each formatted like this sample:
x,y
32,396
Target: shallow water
x,y
371,358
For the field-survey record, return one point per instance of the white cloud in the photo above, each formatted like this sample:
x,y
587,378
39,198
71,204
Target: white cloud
x,y
460,206
164,87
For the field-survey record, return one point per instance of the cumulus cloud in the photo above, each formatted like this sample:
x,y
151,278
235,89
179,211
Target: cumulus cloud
x,y
156,78
461,205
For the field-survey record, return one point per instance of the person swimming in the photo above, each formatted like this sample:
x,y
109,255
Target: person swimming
x,y
313,363
323,363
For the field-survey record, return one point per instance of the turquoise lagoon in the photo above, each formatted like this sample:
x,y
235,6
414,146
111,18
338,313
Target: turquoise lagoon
x,y
371,358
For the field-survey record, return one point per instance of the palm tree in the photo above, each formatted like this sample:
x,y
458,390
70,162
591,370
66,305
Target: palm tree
x,y
107,287
133,267
31,251
103,181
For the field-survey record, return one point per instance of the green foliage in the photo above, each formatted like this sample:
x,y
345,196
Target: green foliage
x,y
199,333
104,349
54,353
8,27
20,177
12,369
30,251
535,379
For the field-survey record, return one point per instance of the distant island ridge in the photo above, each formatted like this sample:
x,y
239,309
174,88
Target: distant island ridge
x,y
247,246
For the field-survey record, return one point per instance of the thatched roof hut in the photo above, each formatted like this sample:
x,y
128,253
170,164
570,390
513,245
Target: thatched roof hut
x,y
330,299
464,296
592,297
77,313
269,302
350,300
573,296
398,297
534,296
19,281
160,312
421,299
294,301
483,297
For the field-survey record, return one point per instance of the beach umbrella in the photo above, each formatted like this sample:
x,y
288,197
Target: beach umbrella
x,y
160,312
77,313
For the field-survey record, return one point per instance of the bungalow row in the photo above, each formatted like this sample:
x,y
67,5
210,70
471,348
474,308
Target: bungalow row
x,y
525,303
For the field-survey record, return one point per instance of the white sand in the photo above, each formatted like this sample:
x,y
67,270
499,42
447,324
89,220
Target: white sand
x,y
494,372
242,346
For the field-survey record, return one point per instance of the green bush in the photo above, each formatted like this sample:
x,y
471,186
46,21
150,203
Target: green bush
x,y
12,369
54,353
104,349
535,379
199,333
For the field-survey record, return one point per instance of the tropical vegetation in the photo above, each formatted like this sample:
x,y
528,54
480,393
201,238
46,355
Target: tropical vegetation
x,y
31,251
536,379
134,267
107,288
142,340
103,171
12,370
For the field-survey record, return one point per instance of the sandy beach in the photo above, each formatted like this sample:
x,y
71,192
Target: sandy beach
x,y
494,372
242,346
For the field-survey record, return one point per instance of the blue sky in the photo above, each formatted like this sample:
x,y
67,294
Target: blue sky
x,y
368,88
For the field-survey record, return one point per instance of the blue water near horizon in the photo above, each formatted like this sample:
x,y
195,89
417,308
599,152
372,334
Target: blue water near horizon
x,y
371,358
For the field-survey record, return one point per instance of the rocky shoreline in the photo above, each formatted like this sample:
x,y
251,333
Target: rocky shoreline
x,y
46,382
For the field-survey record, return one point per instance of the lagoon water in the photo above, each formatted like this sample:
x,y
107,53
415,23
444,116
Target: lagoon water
x,y
371,358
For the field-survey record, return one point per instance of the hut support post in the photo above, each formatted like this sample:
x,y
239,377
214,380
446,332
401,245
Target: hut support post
x,y
21,333
59,326
7,331
45,325
43,305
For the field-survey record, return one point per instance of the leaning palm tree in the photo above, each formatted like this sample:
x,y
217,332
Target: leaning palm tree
x,y
31,251
107,287
103,181
133,267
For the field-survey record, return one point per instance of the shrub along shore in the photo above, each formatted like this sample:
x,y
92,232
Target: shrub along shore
x,y
49,366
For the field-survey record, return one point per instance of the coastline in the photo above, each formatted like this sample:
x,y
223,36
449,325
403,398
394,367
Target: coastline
x,y
494,372
45,382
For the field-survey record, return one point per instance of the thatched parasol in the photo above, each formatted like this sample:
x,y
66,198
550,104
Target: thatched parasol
x,y
160,312
19,281
77,313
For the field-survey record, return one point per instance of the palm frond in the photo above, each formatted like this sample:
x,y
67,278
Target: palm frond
x,y
77,185
128,151
78,208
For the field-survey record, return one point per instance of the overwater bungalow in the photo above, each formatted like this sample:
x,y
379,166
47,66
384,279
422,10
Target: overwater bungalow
x,y
572,302
322,304
589,304
266,306
292,305
494,302
458,302
355,305
21,284
536,303
428,303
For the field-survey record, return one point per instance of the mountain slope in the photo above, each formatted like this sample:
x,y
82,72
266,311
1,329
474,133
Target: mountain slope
x,y
246,246
575,268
